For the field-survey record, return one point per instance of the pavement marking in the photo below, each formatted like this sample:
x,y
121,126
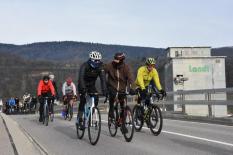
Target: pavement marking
x,y
185,135
189,136
200,123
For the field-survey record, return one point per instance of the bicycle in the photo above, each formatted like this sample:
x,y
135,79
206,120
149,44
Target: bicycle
x,y
69,107
47,115
91,120
151,114
125,123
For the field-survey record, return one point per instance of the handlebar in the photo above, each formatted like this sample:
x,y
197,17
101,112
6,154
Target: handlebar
x,y
159,96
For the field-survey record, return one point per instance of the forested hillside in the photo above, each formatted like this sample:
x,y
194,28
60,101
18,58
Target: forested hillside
x,y
23,65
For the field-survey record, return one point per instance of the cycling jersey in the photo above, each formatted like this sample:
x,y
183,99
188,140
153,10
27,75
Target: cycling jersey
x,y
69,89
144,77
45,88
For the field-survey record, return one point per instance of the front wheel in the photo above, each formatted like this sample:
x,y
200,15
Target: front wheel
x,y
70,112
156,120
46,115
138,117
128,124
112,123
94,126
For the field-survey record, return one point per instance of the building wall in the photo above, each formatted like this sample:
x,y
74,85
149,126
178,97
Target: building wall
x,y
189,52
202,73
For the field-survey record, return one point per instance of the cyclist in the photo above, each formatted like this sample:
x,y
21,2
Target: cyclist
x,y
145,75
45,89
88,74
51,77
118,77
26,100
68,91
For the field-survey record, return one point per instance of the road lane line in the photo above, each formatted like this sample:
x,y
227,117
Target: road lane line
x,y
189,136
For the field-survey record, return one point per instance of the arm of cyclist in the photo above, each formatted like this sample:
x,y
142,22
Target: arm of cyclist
x,y
81,84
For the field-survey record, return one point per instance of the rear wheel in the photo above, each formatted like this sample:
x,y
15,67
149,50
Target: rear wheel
x,y
128,124
94,126
70,112
156,120
112,123
138,117
46,115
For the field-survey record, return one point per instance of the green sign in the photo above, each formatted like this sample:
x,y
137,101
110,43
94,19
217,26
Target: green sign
x,y
200,69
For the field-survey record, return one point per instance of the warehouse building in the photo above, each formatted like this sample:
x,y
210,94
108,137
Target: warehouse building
x,y
193,68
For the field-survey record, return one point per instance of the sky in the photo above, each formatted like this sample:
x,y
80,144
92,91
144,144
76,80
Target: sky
x,y
149,23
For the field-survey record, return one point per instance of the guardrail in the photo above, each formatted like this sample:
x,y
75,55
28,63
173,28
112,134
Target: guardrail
x,y
182,100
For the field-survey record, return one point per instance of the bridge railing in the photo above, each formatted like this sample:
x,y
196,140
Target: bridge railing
x,y
181,98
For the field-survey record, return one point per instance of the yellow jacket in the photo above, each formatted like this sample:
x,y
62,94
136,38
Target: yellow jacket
x,y
144,77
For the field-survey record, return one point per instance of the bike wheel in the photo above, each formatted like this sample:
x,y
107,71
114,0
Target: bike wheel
x,y
156,120
94,126
46,115
128,124
112,123
138,117
70,112
80,129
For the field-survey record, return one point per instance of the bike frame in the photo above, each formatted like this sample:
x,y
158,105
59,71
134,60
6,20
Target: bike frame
x,y
90,104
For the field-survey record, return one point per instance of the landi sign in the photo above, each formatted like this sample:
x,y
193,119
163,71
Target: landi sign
x,y
199,69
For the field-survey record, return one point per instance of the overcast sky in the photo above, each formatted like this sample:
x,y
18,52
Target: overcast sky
x,y
153,23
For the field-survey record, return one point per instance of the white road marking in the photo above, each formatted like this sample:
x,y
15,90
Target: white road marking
x,y
190,136
184,135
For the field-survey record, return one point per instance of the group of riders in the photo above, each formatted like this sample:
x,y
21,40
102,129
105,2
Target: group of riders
x,y
116,80
28,104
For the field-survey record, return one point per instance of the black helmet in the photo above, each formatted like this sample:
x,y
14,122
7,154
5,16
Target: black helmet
x,y
119,56
46,77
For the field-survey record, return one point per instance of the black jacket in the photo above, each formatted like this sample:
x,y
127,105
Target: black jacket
x,y
88,77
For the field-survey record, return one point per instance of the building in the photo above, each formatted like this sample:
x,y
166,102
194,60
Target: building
x,y
193,68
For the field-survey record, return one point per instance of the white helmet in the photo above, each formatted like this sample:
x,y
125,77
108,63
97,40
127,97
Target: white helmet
x,y
94,55
51,76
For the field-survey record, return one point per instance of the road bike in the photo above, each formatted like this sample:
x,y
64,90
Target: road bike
x,y
47,115
149,113
91,120
125,122
69,107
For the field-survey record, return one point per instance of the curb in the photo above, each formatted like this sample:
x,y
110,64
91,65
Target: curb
x,y
24,143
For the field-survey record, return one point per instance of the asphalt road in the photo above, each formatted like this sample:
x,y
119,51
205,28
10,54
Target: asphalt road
x,y
177,138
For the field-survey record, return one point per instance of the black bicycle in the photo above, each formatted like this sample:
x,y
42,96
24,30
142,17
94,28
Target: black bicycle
x,y
47,115
69,107
125,123
150,114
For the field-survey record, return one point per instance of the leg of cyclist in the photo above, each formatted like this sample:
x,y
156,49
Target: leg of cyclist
x,y
81,108
41,109
112,96
121,99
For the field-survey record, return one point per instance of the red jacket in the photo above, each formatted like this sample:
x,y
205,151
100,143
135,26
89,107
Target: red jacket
x,y
45,88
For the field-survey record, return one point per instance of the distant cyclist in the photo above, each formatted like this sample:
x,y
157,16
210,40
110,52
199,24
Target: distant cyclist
x,y
145,75
118,77
68,91
45,89
88,74
51,77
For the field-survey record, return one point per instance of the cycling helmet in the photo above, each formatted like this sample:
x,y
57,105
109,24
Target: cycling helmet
x,y
119,56
46,77
69,80
150,61
51,76
94,60
94,55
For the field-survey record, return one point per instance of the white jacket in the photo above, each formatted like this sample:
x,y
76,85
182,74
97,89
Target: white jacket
x,y
71,89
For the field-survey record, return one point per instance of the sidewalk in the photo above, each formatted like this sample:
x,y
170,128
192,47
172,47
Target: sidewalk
x,y
6,147
13,140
